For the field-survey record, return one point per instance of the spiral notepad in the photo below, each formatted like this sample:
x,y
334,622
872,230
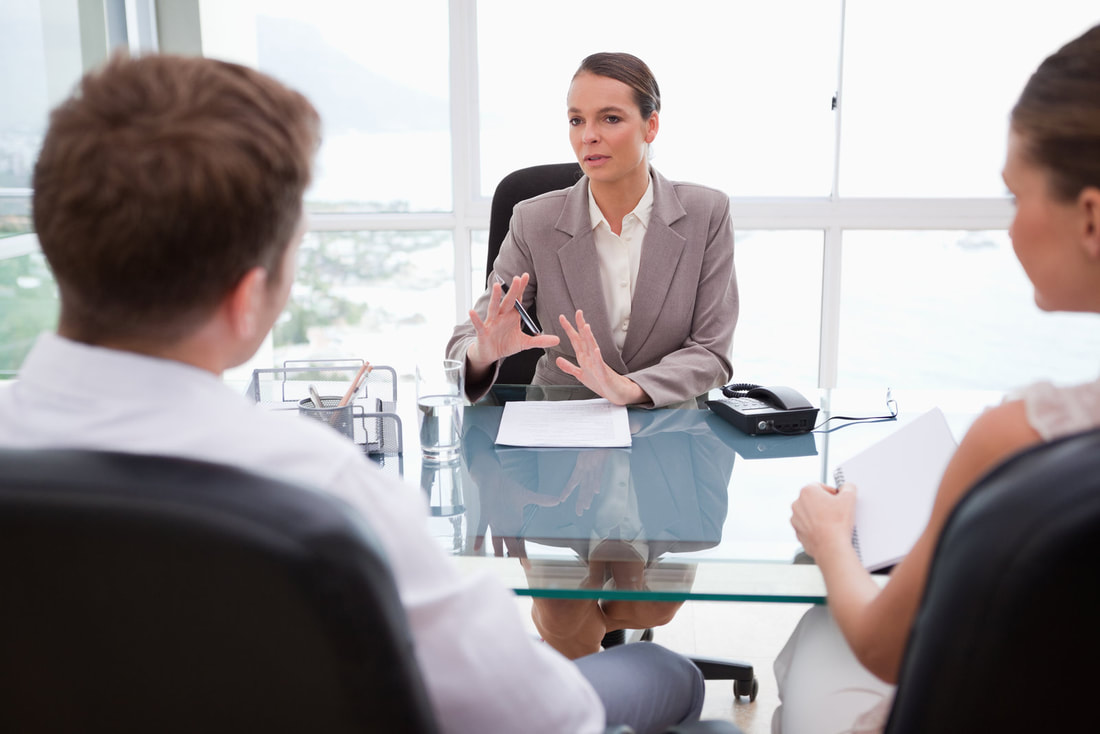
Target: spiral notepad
x,y
838,480
896,482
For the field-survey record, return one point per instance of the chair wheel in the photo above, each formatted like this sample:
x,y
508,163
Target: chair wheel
x,y
745,688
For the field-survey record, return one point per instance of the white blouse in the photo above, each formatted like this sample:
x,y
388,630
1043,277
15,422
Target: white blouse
x,y
620,256
1059,411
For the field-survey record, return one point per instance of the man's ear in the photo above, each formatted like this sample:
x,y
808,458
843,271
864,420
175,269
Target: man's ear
x,y
244,303
1089,203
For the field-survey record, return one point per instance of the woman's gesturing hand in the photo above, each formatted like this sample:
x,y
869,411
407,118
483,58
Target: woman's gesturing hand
x,y
592,371
499,334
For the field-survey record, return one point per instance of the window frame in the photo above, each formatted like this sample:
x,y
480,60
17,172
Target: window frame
x,y
833,215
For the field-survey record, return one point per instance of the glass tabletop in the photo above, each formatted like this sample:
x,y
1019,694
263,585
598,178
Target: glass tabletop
x,y
694,509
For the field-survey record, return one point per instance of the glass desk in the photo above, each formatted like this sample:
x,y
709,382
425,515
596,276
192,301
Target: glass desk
x,y
694,509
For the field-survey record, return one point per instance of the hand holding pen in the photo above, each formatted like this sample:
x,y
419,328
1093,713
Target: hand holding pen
x,y
524,317
499,333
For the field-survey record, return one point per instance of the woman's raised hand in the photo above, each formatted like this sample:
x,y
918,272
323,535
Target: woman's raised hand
x,y
499,334
592,371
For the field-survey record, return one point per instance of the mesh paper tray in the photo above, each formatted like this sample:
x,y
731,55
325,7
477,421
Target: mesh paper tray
x,y
376,427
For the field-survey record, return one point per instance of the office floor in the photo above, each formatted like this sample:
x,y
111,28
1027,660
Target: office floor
x,y
750,632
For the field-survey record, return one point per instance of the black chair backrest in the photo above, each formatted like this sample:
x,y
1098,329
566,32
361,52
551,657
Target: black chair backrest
x,y
518,186
1008,633
142,593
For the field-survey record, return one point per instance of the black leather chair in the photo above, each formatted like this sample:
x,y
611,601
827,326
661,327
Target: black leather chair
x,y
142,593
1008,632
517,186
153,594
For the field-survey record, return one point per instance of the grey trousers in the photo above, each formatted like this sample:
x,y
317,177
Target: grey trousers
x,y
645,686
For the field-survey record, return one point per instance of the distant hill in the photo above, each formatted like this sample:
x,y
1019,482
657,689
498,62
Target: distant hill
x,y
348,95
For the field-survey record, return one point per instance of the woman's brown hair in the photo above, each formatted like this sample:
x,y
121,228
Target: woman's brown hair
x,y
631,71
1058,116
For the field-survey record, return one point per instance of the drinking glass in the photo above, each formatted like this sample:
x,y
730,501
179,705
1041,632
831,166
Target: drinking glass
x,y
440,395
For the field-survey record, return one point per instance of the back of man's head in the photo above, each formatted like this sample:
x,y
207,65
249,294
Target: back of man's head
x,y
161,182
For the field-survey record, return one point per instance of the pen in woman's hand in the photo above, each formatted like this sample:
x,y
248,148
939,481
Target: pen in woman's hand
x,y
532,327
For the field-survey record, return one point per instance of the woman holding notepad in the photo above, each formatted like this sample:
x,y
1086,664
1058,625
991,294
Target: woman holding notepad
x,y
835,672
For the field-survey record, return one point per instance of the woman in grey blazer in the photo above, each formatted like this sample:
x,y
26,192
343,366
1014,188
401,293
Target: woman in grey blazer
x,y
631,274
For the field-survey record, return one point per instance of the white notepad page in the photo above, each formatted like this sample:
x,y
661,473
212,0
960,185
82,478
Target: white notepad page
x,y
593,423
896,481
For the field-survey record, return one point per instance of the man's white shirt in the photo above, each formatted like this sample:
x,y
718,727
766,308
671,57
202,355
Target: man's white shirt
x,y
483,670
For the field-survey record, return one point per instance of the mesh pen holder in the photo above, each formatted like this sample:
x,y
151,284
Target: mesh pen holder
x,y
370,417
331,413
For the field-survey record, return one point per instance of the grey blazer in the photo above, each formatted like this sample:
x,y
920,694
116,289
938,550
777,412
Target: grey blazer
x,y
685,302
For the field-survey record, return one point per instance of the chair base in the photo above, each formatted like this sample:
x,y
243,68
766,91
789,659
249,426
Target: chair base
x,y
742,675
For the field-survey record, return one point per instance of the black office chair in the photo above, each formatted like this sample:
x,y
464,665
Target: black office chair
x,y
153,594
519,369
142,593
1007,635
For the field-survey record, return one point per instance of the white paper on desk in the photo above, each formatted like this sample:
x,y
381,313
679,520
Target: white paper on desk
x,y
564,424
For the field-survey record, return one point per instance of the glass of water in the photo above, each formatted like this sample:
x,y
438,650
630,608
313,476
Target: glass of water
x,y
440,395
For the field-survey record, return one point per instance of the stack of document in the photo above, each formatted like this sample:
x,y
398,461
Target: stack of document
x,y
564,424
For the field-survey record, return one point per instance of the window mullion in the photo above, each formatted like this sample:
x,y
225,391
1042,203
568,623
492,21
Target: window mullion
x,y
829,341
465,141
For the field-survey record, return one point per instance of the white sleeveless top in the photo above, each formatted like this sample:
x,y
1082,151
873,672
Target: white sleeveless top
x,y
1059,411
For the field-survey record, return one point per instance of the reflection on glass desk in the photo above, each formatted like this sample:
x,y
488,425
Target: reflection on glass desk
x,y
694,509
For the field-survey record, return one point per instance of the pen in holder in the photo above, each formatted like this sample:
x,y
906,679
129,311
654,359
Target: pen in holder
x,y
331,413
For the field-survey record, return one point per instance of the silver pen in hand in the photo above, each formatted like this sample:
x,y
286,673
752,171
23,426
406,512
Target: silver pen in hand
x,y
532,327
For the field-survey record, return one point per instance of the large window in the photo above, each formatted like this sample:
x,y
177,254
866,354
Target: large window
x,y
861,143
928,89
41,53
28,302
951,309
40,40
383,296
779,283
377,73
746,87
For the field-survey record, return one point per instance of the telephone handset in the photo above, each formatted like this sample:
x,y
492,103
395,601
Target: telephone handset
x,y
755,409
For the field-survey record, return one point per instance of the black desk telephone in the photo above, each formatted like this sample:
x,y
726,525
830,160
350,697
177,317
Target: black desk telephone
x,y
755,409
